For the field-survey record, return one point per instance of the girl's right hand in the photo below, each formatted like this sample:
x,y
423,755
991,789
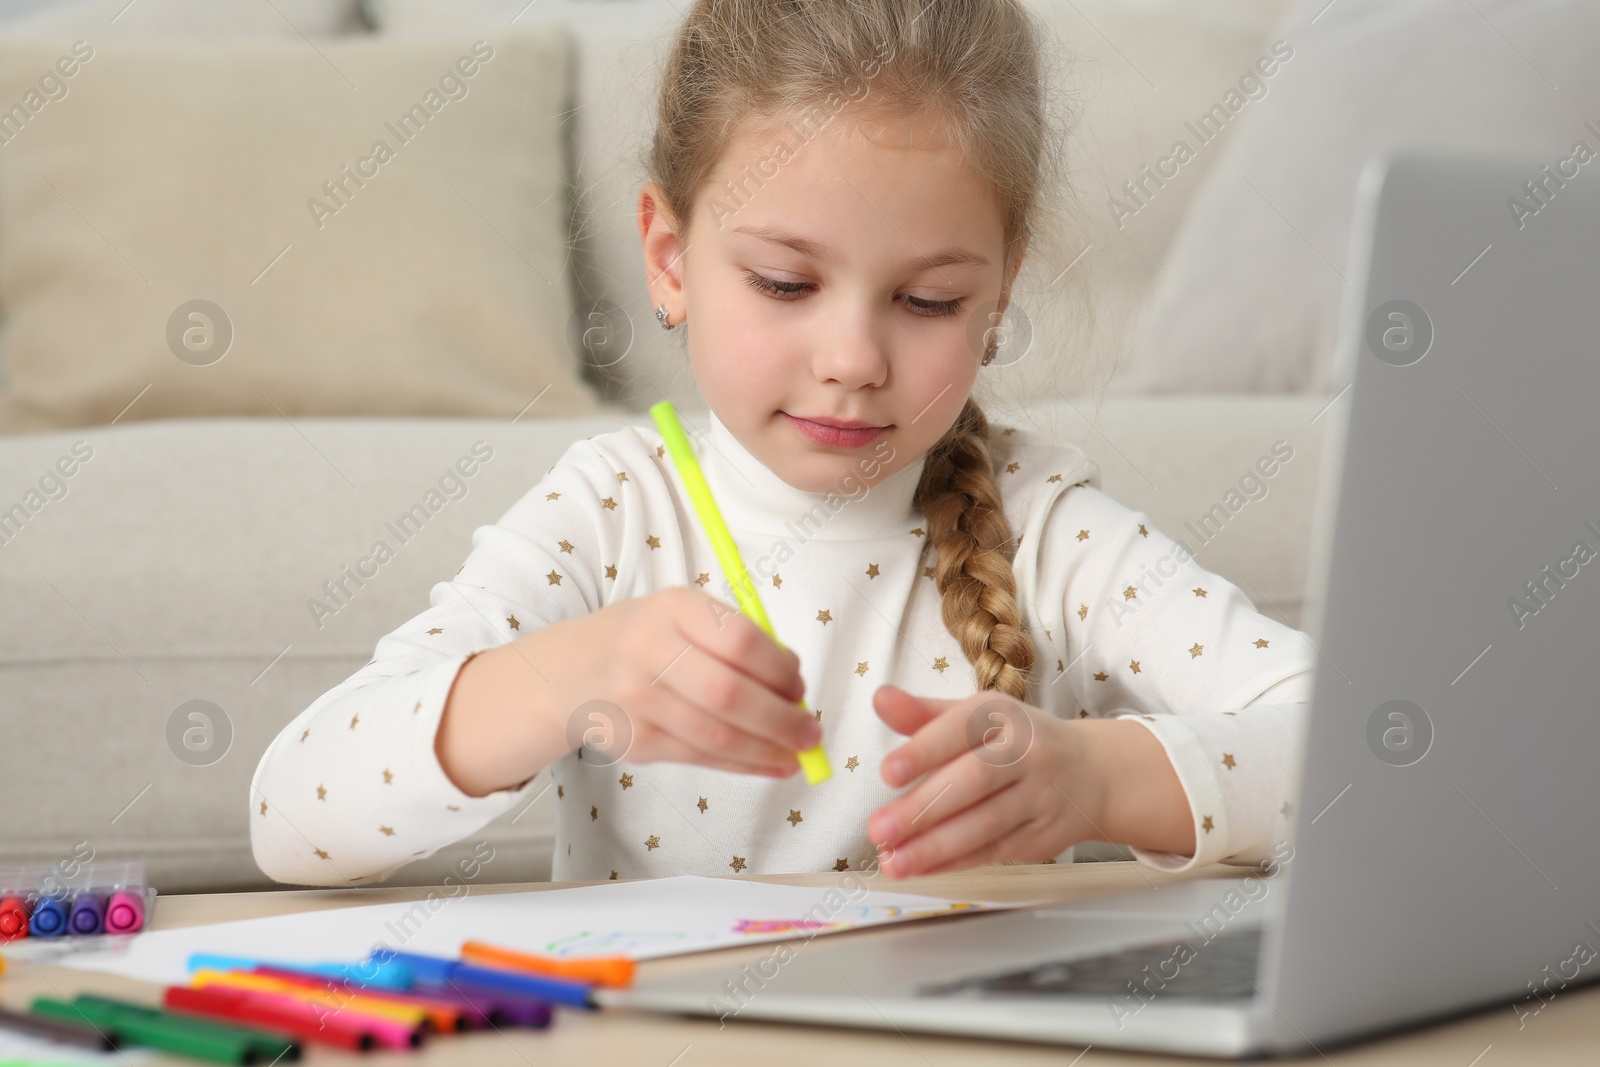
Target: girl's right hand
x,y
693,680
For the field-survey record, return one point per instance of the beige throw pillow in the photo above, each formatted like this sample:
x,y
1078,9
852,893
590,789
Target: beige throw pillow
x,y
1248,297
124,20
272,228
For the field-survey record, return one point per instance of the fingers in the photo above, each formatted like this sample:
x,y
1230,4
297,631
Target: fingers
x,y
689,735
999,728
731,713
667,748
903,712
976,831
1019,844
963,781
734,637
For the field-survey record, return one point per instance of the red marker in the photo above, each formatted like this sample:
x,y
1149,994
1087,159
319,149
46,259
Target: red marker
x,y
390,1031
13,918
292,1017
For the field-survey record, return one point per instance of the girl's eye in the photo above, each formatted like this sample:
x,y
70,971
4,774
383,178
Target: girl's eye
x,y
781,290
787,290
933,307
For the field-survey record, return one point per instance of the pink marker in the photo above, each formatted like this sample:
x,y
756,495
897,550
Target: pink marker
x,y
124,912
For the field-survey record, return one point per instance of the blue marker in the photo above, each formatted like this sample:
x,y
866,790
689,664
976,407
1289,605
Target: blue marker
x,y
378,974
436,970
50,917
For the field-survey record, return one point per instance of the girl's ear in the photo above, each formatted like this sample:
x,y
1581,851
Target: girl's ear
x,y
1016,263
663,256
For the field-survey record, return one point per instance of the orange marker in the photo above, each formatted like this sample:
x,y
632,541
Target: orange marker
x,y
615,971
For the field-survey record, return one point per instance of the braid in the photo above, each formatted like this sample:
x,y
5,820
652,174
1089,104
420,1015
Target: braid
x,y
968,530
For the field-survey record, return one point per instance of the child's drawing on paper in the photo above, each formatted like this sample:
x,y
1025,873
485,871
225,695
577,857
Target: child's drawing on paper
x,y
624,942
855,916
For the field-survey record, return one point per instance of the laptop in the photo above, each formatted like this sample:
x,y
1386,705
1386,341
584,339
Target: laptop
x,y
1443,856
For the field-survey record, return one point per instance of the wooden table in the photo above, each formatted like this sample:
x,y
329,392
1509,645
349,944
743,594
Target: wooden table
x,y
1566,1031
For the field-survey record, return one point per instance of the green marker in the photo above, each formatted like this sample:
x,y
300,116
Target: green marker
x,y
814,760
141,1025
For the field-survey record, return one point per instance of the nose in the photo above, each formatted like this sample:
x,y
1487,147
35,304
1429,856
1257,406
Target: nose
x,y
851,351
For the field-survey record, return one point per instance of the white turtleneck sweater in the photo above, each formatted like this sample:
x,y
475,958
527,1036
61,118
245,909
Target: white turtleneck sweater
x,y
1123,621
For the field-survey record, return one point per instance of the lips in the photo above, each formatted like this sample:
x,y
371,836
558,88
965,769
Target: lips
x,y
836,433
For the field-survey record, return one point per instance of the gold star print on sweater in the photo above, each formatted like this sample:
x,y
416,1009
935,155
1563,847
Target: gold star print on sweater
x,y
1124,624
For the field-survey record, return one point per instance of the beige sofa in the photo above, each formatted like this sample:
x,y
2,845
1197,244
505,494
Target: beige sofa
x,y
176,586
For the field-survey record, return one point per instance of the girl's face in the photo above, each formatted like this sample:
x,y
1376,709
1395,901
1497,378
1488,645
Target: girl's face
x,y
846,278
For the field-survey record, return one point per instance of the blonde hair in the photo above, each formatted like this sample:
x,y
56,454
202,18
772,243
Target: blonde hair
x,y
977,64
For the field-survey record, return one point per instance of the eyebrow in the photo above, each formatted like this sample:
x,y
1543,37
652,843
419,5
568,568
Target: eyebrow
x,y
812,250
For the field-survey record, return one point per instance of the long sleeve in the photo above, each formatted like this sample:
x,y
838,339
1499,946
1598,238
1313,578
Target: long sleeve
x,y
352,789
1151,635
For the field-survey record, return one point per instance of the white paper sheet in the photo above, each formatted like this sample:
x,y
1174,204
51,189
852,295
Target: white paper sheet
x,y
641,919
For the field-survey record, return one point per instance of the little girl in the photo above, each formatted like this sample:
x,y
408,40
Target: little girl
x,y
1000,659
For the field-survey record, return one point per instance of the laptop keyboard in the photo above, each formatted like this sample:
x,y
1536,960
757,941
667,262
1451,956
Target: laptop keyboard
x,y
1224,966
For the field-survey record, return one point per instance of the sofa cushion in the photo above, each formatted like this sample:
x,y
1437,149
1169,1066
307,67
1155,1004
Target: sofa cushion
x,y
1249,295
119,20
262,228
148,566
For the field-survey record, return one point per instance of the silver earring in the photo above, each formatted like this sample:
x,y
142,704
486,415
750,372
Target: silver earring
x,y
661,317
989,352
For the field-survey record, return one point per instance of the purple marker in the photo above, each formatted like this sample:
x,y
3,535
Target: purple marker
x,y
501,1008
88,914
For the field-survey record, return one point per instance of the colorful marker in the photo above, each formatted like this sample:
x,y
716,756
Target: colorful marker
x,y
814,760
49,917
88,914
13,918
78,1034
445,1017
291,1016
409,1015
517,1009
615,971
377,973
266,1045
124,912
385,1032
136,1024
438,970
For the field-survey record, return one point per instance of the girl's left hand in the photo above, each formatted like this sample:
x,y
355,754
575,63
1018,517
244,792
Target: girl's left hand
x,y
1002,781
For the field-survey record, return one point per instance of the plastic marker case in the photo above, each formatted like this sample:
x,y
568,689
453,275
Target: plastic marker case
x,y
73,900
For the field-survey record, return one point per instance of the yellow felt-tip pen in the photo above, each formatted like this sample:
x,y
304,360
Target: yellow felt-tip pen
x,y
814,760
